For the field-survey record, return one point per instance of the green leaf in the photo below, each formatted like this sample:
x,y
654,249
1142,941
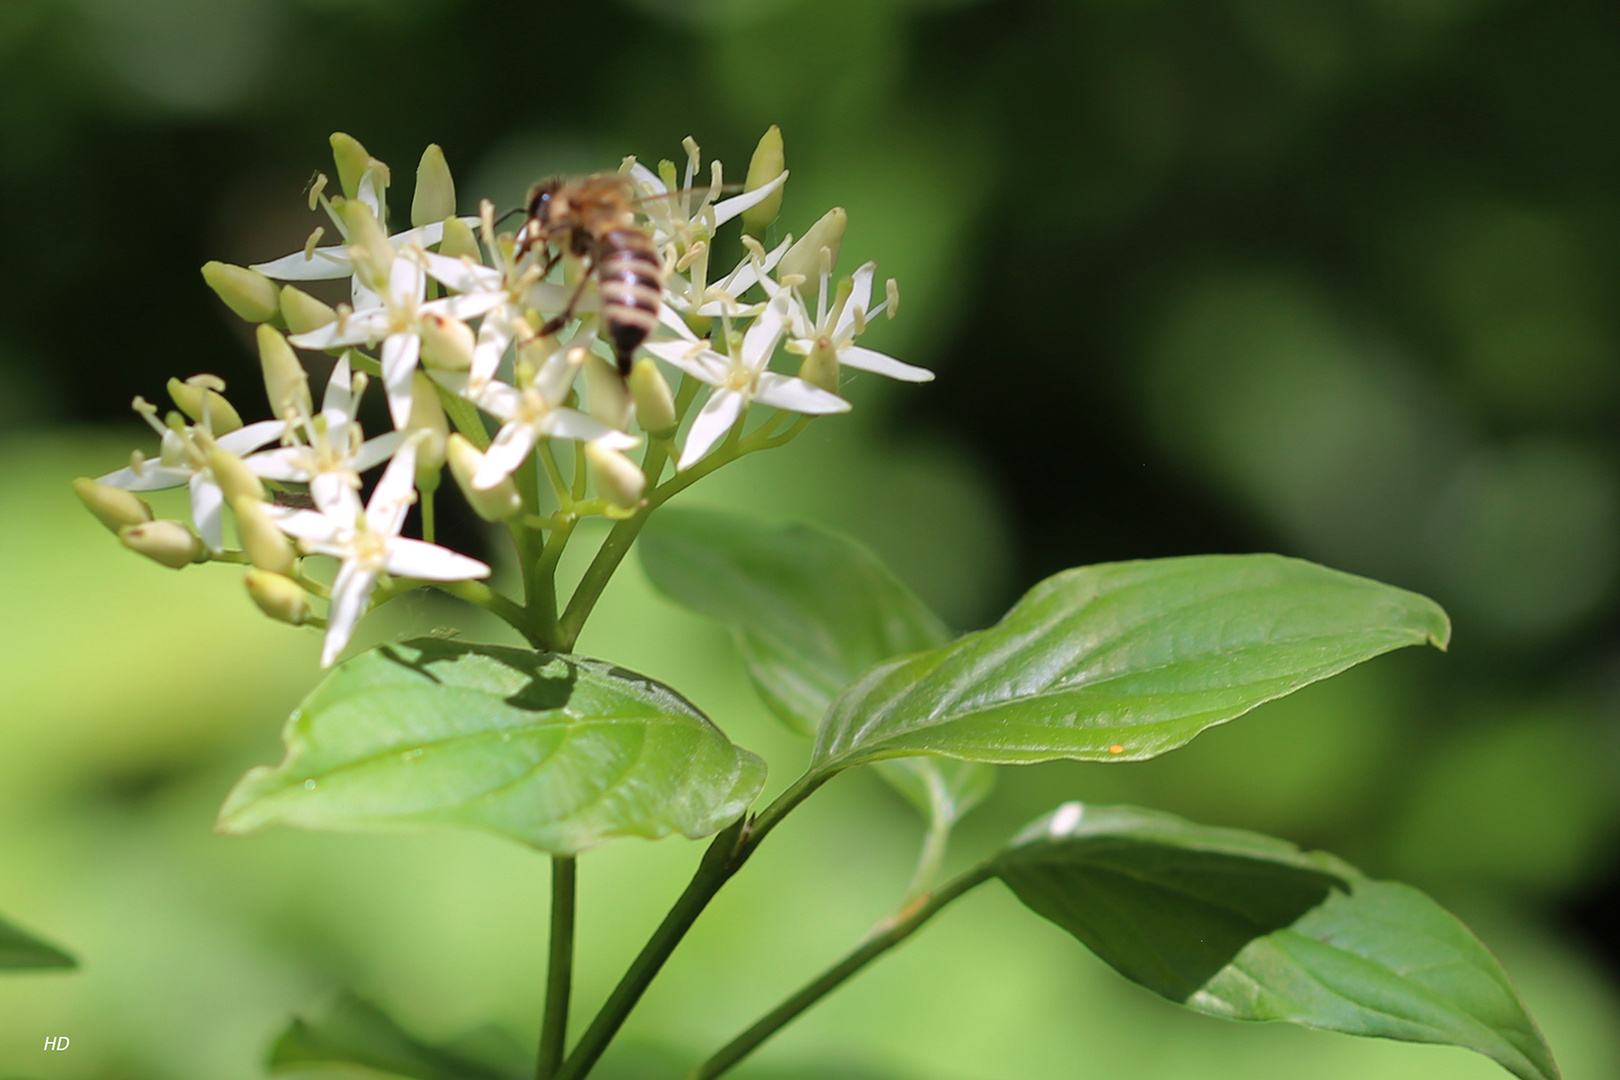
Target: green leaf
x,y
1247,927
1124,661
24,951
354,1032
810,609
560,752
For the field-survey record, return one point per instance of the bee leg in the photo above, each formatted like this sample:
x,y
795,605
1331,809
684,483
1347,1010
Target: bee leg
x,y
555,323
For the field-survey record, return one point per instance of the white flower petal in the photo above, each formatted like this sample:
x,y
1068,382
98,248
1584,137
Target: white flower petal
x,y
763,334
506,452
710,425
339,396
726,209
494,336
322,264
286,464
207,506
796,395
462,275
465,306
350,591
374,452
336,494
671,319
399,355
409,558
648,179
500,400
251,437
358,328
572,424
863,359
859,298
702,364
407,281
394,493
310,525
152,477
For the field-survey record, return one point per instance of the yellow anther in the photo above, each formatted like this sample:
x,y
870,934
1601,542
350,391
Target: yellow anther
x,y
315,190
314,239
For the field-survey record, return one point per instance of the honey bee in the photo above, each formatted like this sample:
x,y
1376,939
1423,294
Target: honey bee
x,y
593,217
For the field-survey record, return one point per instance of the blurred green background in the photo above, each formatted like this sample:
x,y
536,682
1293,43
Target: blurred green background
x,y
1337,278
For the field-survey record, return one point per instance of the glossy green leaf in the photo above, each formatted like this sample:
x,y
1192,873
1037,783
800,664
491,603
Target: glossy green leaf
x,y
353,1032
1247,927
810,609
19,950
1125,661
560,752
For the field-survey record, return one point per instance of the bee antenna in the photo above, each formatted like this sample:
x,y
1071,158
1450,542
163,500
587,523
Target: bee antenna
x,y
509,213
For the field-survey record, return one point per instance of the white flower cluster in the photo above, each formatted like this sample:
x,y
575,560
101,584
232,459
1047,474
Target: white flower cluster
x,y
450,315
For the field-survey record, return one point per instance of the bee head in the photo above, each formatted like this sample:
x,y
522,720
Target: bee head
x,y
540,199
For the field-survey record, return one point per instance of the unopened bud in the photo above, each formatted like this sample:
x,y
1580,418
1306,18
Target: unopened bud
x,y
278,596
302,312
114,507
606,396
435,197
368,244
247,292
655,406
427,417
459,241
492,504
804,258
263,543
197,398
167,542
767,164
285,381
446,343
820,367
352,161
233,476
618,479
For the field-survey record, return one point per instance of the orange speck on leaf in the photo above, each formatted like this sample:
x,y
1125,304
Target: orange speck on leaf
x,y
1116,749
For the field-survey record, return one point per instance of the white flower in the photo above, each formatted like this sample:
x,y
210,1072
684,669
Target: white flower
x,y
694,295
504,292
331,451
183,459
836,326
369,545
397,324
327,263
739,377
535,412
675,219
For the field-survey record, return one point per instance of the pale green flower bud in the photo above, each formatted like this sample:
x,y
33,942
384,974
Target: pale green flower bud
x,y
278,596
492,504
167,542
655,405
618,479
285,381
820,367
435,197
266,545
427,417
233,476
302,312
446,343
200,395
459,240
605,393
766,165
352,161
113,507
247,292
804,258
368,244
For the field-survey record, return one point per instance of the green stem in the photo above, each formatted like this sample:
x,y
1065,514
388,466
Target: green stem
x,y
719,863
476,592
726,855
559,969
886,937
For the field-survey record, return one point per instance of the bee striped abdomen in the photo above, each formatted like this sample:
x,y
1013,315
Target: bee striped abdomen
x,y
632,285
